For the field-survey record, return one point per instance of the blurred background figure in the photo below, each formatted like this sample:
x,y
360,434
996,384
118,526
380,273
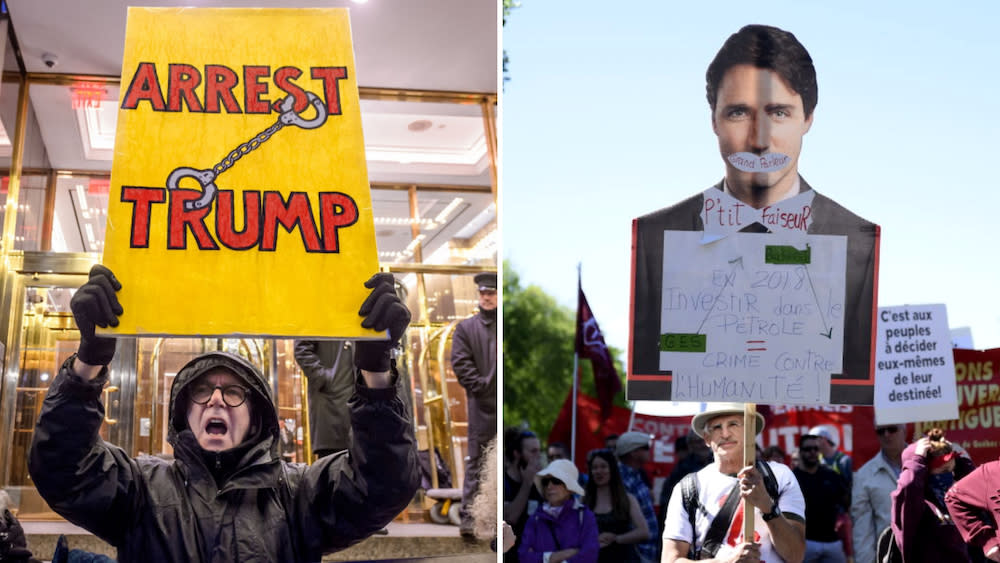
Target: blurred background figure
x,y
287,438
484,506
620,522
522,461
557,450
632,450
698,456
610,441
826,496
775,454
13,542
873,484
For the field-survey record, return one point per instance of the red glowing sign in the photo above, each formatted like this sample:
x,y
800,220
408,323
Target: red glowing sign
x,y
87,95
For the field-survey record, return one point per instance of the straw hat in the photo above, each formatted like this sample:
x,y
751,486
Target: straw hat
x,y
713,410
565,471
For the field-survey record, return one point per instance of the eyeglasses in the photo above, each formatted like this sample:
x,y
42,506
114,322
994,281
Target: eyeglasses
x,y
732,425
809,449
546,481
884,429
233,395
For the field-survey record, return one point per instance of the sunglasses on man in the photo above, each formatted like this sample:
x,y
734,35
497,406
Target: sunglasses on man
x,y
883,430
546,481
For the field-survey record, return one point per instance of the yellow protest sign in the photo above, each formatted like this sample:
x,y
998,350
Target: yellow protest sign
x,y
239,197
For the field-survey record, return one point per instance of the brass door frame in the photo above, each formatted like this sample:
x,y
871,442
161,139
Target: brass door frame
x,y
50,269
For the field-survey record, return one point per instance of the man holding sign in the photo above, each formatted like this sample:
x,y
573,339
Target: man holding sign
x,y
227,495
715,307
705,515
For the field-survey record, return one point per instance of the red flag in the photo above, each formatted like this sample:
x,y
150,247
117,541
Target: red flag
x,y
590,344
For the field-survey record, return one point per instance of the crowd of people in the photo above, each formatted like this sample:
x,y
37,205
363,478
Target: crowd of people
x,y
912,502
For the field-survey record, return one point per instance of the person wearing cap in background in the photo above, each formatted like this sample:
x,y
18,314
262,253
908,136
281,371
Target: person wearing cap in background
x,y
873,483
921,526
563,528
474,360
632,451
827,497
779,523
842,465
227,495
838,461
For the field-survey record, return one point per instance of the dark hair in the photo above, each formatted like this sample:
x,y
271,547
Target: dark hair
x,y
611,437
681,444
804,437
513,441
769,48
774,451
559,445
619,496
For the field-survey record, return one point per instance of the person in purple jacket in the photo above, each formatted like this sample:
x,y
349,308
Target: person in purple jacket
x,y
563,528
921,526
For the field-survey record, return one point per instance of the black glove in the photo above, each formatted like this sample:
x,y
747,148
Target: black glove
x,y
95,304
381,311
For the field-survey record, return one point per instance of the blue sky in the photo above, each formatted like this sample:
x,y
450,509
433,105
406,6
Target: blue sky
x,y
605,119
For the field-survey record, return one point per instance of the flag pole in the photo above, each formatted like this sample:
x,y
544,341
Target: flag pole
x,y
576,361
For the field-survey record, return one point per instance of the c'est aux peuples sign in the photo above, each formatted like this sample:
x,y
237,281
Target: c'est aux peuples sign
x,y
239,198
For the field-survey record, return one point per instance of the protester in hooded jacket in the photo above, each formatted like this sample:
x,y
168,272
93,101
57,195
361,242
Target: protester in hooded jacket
x,y
227,495
921,525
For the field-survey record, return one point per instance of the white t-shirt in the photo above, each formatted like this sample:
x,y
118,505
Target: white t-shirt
x,y
712,491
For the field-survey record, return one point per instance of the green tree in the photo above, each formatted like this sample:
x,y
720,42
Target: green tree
x,y
508,5
538,337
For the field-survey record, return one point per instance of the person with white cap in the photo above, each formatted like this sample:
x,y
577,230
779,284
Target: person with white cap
x,y
842,465
838,461
690,531
563,529
632,450
474,360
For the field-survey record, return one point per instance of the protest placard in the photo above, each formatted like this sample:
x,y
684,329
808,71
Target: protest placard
x,y
751,320
239,199
915,371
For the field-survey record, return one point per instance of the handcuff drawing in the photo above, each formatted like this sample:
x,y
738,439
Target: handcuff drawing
x,y
208,176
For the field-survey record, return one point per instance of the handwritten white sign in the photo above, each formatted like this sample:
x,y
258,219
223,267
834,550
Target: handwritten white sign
x,y
751,319
914,365
788,220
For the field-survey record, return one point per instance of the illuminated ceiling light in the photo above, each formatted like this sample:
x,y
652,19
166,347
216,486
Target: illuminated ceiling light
x,y
81,197
451,207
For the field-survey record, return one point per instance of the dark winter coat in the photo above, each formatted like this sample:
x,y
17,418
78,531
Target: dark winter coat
x,y
474,360
922,530
266,510
329,369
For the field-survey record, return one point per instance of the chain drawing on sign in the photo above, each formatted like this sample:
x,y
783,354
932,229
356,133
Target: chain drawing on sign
x,y
207,177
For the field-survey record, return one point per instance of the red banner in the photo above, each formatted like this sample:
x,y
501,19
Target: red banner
x,y
977,377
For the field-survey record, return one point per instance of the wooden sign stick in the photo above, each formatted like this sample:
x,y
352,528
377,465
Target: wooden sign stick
x,y
749,455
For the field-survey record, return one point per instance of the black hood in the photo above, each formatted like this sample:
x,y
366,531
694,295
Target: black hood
x,y
262,405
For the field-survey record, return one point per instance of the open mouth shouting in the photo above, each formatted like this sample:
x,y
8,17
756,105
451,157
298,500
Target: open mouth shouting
x,y
216,423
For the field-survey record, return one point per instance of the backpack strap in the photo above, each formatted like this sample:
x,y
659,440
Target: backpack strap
x,y
689,499
770,481
720,524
